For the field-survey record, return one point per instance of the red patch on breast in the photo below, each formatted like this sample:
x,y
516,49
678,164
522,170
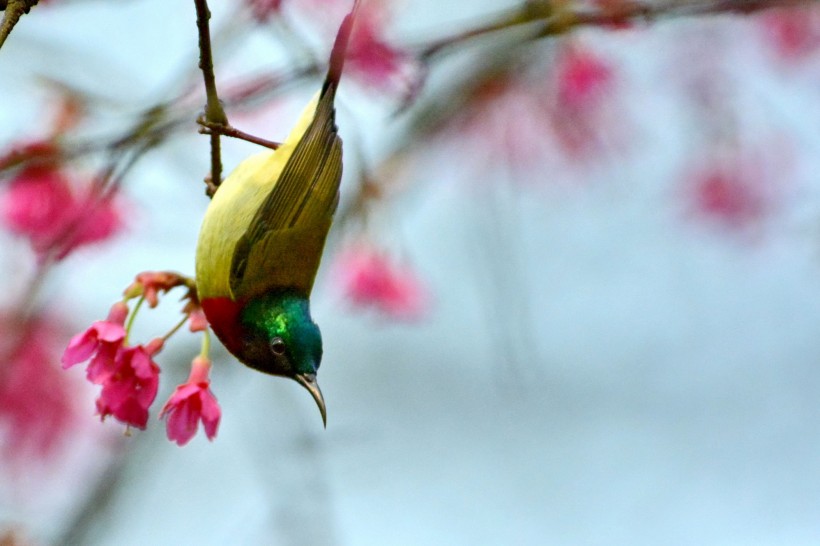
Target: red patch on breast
x,y
223,316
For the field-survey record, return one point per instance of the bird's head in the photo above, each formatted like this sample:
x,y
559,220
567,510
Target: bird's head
x,y
280,338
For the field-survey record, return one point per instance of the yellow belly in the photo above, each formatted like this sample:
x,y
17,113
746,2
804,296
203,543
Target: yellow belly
x,y
233,207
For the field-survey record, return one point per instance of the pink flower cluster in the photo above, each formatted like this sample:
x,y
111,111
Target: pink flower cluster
x,y
41,204
129,378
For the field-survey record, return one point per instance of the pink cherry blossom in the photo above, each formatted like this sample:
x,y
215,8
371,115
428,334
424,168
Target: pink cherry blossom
x,y
368,278
191,403
131,385
101,341
128,375
40,205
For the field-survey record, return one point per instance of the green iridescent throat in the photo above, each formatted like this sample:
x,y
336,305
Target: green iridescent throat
x,y
285,315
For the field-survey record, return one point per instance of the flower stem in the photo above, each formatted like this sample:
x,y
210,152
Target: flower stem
x,y
206,344
176,327
131,319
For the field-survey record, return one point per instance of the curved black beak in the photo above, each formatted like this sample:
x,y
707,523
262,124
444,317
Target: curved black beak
x,y
308,381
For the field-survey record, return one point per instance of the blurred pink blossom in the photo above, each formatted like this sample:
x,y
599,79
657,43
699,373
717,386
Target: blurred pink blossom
x,y
793,32
37,204
372,58
725,195
505,117
526,117
94,220
583,78
583,100
41,205
741,188
37,407
191,403
367,277
263,10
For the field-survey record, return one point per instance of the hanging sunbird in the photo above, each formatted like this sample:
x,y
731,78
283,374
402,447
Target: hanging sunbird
x,y
262,238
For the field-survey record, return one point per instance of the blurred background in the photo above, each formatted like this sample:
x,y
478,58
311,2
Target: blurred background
x,y
571,297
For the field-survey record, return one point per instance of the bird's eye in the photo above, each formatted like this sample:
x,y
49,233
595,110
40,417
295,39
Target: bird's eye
x,y
277,346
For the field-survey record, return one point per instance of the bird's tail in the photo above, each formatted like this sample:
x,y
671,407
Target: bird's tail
x,y
337,54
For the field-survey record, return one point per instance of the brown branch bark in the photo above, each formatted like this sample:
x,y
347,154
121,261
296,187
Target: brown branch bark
x,y
12,11
214,113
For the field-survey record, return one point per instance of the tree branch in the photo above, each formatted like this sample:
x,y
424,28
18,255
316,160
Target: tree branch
x,y
13,10
214,113
547,21
209,128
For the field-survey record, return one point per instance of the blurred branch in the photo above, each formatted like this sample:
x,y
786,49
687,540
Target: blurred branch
x,y
532,20
535,18
547,19
101,497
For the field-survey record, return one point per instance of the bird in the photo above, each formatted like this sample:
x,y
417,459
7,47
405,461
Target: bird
x,y
262,239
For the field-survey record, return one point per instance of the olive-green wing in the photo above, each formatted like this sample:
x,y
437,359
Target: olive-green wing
x,y
283,244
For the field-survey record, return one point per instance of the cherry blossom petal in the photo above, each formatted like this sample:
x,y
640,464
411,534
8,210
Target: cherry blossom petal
x,y
191,403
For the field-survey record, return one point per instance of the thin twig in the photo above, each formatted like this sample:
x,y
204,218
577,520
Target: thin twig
x,y
209,128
